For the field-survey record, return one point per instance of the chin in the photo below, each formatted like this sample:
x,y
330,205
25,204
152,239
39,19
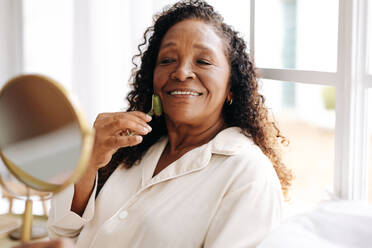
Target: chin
x,y
182,117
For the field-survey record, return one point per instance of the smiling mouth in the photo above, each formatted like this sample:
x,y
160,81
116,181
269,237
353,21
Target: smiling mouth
x,y
184,93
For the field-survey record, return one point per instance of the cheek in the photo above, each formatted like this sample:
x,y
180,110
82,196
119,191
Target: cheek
x,y
159,79
224,77
217,83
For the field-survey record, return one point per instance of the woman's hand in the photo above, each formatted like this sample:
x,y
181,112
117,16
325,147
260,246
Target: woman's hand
x,y
57,243
110,134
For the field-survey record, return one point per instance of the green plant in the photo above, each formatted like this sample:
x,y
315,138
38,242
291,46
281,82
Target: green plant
x,y
329,97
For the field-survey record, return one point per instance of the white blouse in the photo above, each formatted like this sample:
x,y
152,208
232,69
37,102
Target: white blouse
x,y
222,194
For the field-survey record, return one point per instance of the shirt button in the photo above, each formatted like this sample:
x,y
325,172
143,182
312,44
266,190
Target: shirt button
x,y
123,215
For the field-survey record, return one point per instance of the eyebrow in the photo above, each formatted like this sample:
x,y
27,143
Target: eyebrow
x,y
199,46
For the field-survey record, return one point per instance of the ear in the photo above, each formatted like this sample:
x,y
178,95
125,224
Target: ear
x,y
229,96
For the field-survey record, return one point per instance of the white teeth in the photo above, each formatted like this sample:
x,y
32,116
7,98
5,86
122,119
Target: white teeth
x,y
184,93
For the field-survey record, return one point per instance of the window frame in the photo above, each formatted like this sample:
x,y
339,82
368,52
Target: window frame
x,y
351,82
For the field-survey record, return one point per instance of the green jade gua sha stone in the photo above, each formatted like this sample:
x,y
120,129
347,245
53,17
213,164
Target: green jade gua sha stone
x,y
156,109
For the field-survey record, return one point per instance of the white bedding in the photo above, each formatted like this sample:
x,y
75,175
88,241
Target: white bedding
x,y
332,224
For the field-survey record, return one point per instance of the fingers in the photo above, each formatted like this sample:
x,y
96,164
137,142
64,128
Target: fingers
x,y
112,123
116,142
139,114
110,130
142,115
104,149
130,123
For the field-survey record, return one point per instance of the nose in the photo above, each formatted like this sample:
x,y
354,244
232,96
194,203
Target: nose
x,y
183,72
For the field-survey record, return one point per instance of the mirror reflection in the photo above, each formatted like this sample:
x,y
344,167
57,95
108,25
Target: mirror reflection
x,y
39,131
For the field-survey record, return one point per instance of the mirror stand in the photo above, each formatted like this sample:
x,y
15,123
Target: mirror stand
x,y
27,219
28,231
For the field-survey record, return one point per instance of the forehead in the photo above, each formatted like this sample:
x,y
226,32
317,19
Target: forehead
x,y
193,32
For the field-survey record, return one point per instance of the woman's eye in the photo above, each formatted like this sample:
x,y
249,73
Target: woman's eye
x,y
203,62
166,61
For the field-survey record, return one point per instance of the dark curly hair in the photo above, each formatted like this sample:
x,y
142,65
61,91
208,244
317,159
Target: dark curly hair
x,y
247,110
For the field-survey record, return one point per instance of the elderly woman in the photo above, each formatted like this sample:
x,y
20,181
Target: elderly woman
x,y
206,173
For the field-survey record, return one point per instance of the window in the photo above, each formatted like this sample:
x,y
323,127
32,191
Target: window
x,y
287,36
369,38
289,47
293,46
305,115
369,82
369,173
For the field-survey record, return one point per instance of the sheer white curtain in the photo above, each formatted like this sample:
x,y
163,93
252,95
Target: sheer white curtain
x,y
86,45
10,39
105,37
10,52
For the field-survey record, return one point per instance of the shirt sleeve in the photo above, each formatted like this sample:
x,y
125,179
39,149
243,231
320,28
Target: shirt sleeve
x,y
246,215
62,222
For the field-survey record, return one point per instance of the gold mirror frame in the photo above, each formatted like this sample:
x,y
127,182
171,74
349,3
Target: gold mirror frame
x,y
87,142
87,138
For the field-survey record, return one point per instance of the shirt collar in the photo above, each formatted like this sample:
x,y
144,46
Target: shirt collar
x,y
228,142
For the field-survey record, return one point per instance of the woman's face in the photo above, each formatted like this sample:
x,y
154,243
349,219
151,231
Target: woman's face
x,y
192,72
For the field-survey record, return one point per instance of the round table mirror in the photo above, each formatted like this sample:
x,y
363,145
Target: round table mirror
x,y
44,140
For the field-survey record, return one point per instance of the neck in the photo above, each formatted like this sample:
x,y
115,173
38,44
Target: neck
x,y
184,137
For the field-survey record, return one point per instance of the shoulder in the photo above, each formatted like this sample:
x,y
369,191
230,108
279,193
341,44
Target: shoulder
x,y
242,159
